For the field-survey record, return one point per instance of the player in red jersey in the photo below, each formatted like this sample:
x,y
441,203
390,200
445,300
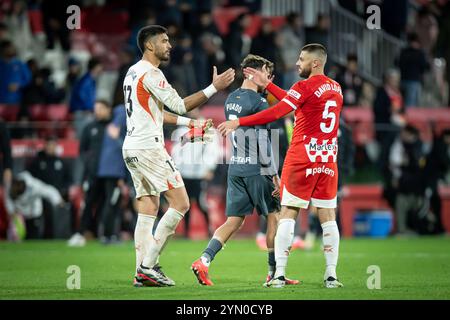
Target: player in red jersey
x,y
310,172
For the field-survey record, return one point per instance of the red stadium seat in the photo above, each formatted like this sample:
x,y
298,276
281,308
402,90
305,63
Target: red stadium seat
x,y
57,112
9,112
38,112
35,18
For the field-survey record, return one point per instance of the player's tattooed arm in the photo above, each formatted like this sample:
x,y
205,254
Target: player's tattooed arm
x,y
220,82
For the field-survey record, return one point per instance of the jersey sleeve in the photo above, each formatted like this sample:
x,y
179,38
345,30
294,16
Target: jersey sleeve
x,y
296,95
276,91
156,83
269,115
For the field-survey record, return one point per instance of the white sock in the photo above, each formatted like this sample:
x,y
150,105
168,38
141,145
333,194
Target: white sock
x,y
330,248
283,243
143,236
165,229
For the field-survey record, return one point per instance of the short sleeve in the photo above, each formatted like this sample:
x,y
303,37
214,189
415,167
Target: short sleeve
x,y
296,95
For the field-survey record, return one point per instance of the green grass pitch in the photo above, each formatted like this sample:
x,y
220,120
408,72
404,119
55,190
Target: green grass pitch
x,y
417,268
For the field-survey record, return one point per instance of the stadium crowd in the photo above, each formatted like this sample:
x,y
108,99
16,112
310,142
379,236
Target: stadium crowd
x,y
44,63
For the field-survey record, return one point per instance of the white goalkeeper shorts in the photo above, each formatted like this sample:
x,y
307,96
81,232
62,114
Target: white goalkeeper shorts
x,y
152,170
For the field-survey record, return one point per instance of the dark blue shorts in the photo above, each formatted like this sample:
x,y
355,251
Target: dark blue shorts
x,y
247,193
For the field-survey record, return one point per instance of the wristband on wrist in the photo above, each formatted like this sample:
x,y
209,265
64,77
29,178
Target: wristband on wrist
x,y
183,121
209,91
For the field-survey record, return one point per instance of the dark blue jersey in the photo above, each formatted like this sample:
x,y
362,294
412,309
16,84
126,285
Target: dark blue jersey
x,y
252,151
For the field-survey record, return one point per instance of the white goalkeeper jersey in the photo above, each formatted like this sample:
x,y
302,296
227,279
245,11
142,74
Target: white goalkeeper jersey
x,y
146,92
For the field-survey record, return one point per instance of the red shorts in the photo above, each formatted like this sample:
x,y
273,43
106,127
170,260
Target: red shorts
x,y
314,182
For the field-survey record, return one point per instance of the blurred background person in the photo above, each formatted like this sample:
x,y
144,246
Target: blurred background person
x,y
350,81
407,161
53,170
25,198
197,163
413,64
15,74
90,151
83,95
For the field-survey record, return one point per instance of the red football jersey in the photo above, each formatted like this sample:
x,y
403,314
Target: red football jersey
x,y
318,103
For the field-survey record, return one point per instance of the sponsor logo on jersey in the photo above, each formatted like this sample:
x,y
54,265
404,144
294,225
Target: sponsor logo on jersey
x,y
242,160
131,160
323,150
294,94
319,170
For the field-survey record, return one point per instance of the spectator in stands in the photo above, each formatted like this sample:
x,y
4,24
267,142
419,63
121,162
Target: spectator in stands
x,y
182,69
55,19
4,34
53,170
442,48
83,95
263,44
437,171
5,155
292,41
407,161
126,61
394,17
112,173
319,33
427,29
350,81
25,198
197,163
19,30
73,74
169,13
237,43
413,64
15,74
208,55
204,24
388,111
90,151
41,90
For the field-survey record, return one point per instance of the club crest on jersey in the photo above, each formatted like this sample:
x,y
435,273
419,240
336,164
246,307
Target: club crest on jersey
x,y
294,94
324,150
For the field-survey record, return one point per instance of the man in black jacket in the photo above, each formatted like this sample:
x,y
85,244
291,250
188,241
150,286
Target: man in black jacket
x,y
51,169
413,64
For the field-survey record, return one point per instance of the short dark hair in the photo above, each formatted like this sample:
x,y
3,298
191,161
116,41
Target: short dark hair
x,y
93,62
147,32
352,57
316,48
256,62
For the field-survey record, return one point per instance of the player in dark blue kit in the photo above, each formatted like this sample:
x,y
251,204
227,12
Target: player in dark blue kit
x,y
253,182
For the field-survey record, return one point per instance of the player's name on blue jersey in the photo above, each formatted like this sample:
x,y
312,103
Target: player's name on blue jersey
x,y
234,106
